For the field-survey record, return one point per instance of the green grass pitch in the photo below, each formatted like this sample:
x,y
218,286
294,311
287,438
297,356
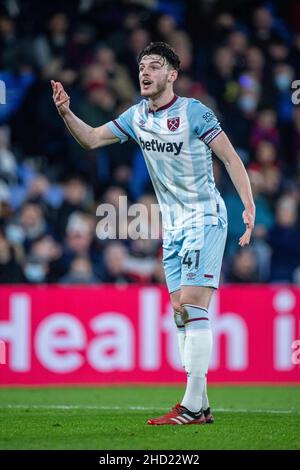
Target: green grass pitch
x,y
115,418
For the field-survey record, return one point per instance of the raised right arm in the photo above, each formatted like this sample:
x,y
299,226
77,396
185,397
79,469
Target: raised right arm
x,y
88,137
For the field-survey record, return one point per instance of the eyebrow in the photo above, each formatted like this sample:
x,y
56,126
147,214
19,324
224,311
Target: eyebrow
x,y
152,62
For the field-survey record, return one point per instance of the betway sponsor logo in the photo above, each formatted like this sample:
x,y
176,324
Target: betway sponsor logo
x,y
156,146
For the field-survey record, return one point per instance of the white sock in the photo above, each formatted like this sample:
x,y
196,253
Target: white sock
x,y
180,335
181,341
205,402
197,351
192,399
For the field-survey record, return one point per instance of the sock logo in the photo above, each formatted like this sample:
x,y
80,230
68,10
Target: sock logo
x,y
156,146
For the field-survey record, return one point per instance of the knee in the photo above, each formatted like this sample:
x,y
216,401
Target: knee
x,y
176,306
188,299
198,296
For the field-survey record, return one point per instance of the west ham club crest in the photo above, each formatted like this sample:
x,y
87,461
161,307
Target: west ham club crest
x,y
173,123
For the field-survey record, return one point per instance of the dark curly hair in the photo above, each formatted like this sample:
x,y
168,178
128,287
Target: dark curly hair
x,y
163,50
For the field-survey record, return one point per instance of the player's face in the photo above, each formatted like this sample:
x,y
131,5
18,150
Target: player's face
x,y
154,75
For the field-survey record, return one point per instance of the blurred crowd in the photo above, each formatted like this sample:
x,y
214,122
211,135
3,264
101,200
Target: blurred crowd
x,y
238,57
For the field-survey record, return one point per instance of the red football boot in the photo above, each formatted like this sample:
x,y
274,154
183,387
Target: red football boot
x,y
179,415
209,419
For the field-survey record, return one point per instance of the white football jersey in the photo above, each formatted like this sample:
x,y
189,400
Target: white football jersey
x,y
174,140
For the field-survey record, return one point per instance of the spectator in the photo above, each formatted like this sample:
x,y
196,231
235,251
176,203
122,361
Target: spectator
x,y
31,224
278,51
238,43
10,269
13,48
283,77
76,199
165,27
223,81
265,156
115,258
8,164
262,27
296,138
36,270
119,79
50,48
5,210
158,274
284,241
137,40
48,252
240,65
79,233
244,268
265,128
81,45
264,217
80,272
115,202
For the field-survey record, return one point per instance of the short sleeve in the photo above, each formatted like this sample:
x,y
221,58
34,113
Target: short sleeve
x,y
203,121
122,126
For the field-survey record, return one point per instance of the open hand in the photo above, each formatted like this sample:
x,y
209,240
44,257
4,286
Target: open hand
x,y
60,98
248,218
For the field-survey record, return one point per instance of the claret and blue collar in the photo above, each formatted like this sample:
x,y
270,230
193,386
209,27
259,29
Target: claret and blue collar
x,y
165,106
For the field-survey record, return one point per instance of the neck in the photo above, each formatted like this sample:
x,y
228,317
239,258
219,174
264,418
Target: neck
x,y
156,102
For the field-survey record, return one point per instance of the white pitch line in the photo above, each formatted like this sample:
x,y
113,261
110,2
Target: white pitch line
x,y
137,408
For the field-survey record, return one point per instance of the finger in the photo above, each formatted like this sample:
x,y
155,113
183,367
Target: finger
x,y
59,103
244,241
53,83
247,233
58,95
245,238
63,101
56,87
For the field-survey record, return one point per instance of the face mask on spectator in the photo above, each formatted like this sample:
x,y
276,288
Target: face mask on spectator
x,y
283,81
35,272
248,103
15,234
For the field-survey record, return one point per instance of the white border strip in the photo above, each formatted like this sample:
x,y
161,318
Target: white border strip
x,y
136,408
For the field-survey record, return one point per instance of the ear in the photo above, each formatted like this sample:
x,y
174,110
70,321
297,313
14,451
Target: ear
x,y
173,76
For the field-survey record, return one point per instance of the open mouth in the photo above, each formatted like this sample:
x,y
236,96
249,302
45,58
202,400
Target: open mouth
x,y
146,83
